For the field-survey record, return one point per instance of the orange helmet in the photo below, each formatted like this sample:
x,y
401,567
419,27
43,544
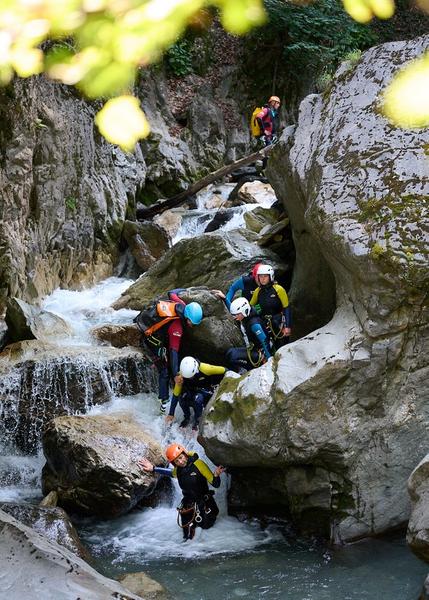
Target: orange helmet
x,y
274,99
173,451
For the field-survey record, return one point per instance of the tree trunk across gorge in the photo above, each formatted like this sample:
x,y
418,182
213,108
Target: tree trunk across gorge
x,y
162,205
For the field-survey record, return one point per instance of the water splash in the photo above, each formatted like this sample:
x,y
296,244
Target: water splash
x,y
153,533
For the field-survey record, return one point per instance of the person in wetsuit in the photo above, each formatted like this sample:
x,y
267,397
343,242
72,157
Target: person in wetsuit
x,y
271,302
162,328
198,507
245,285
257,349
193,389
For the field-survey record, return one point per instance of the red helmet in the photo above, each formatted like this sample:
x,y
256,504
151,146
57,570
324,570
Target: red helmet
x,y
173,451
255,270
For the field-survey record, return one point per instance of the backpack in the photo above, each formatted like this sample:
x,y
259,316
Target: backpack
x,y
156,316
255,127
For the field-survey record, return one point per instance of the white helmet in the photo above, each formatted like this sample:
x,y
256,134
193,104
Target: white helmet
x,y
266,270
189,367
240,306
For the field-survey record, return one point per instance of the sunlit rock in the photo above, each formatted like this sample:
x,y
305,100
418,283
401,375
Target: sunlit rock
x,y
91,461
336,422
29,561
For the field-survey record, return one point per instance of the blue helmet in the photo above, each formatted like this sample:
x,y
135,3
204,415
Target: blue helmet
x,y
193,312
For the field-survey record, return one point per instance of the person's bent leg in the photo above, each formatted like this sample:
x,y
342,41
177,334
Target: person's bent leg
x,y
237,359
164,386
184,405
209,511
199,398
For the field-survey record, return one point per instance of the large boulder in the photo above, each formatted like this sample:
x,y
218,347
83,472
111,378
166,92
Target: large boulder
x,y
91,462
27,322
418,525
147,242
217,332
29,561
41,380
213,260
53,523
335,423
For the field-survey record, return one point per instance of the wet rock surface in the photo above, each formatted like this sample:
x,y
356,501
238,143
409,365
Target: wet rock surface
x,y
92,463
27,322
418,525
142,584
342,412
29,561
39,381
52,523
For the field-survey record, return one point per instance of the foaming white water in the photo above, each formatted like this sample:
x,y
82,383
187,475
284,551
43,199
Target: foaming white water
x,y
153,533
86,308
19,476
194,221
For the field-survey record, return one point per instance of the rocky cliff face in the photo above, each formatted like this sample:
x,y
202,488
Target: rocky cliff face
x,y
333,425
66,192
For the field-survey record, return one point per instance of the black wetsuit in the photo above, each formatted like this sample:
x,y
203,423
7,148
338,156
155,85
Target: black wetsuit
x,y
198,507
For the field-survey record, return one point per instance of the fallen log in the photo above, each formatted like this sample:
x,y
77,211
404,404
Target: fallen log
x,y
163,205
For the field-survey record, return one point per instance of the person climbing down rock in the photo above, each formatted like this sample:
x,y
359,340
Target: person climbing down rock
x,y
257,349
246,285
195,386
272,303
198,507
162,329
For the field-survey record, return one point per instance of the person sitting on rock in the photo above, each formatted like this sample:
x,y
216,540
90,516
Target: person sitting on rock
x,y
245,285
162,328
193,389
271,302
198,507
257,349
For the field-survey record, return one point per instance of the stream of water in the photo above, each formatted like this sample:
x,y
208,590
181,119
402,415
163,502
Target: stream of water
x,y
233,559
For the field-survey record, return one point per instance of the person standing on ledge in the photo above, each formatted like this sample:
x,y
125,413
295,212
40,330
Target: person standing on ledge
x,y
268,120
198,507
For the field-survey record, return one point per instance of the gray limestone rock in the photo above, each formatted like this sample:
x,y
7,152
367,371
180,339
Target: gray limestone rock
x,y
146,241
418,525
213,260
52,523
91,461
342,413
65,193
29,561
27,322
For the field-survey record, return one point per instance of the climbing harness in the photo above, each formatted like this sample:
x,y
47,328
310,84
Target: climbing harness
x,y
260,358
279,334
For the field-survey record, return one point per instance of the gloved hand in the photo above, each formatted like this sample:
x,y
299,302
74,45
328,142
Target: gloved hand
x,y
274,139
262,138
